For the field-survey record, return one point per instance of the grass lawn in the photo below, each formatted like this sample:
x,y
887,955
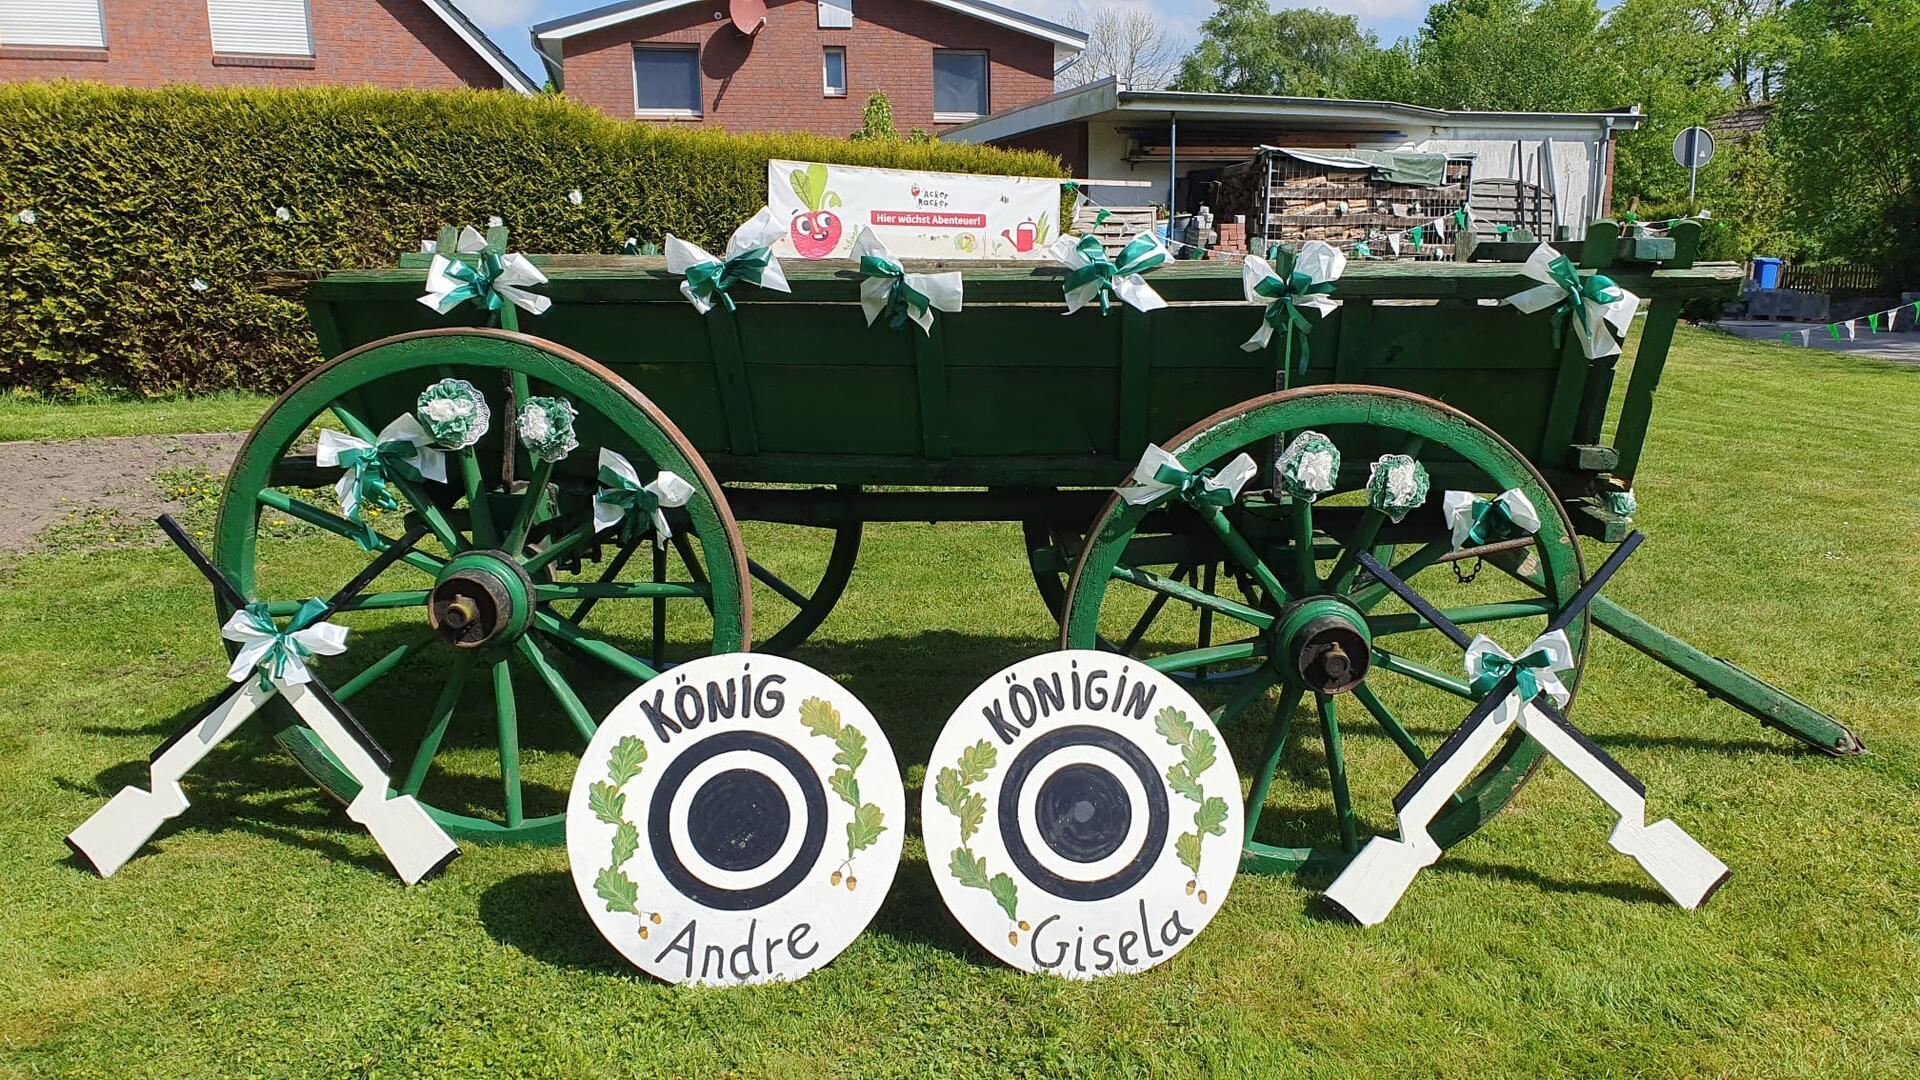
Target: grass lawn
x,y
39,418
263,934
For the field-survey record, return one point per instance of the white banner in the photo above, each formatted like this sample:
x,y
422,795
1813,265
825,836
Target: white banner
x,y
917,215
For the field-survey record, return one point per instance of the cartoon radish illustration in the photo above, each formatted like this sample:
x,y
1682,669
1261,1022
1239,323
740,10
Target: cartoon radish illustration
x,y
816,232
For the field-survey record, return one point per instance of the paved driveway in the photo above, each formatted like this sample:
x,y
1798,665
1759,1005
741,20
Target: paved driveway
x,y
1902,347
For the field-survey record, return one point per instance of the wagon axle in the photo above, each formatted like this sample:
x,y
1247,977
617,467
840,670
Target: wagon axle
x,y
481,598
1326,640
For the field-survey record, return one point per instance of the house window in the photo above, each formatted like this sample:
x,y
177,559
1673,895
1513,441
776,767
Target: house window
x,y
835,14
260,27
666,82
833,70
65,24
959,85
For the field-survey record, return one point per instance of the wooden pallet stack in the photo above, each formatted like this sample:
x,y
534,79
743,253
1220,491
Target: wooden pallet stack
x,y
1122,224
1341,206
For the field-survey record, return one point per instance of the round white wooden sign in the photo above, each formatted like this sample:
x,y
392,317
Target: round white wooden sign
x,y
1081,815
735,820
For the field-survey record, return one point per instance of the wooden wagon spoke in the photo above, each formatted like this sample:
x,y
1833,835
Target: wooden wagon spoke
x,y
1147,618
479,506
1301,519
1390,724
383,601
556,683
558,548
1407,622
1420,673
1343,572
608,575
1427,554
1270,757
1337,774
567,633
508,718
772,581
379,668
659,642
1199,598
1251,689
1244,553
437,722
1249,649
530,500
334,523
694,570
443,530
622,590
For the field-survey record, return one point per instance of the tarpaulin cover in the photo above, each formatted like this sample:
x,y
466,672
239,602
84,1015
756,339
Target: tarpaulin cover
x,y
1393,166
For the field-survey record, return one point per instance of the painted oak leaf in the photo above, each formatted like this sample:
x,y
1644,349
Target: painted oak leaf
x,y
867,825
1005,893
820,717
1173,726
606,802
623,764
1187,846
968,869
971,812
977,760
626,841
949,789
618,890
1198,753
844,785
853,747
1211,818
1183,782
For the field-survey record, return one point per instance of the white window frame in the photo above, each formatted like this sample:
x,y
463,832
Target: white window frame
x,y
100,21
986,77
827,88
835,14
690,49
306,11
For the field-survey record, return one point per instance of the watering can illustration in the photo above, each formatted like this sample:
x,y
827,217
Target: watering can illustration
x,y
1022,236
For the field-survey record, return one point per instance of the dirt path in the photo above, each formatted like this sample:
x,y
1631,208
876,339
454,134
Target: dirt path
x,y
42,483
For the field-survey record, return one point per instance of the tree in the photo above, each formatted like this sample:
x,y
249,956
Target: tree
x,y
1302,52
1129,44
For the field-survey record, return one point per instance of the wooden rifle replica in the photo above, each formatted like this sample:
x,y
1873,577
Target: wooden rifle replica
x,y
1374,881
416,845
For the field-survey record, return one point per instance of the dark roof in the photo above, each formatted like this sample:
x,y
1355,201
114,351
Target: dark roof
x,y
477,40
1745,120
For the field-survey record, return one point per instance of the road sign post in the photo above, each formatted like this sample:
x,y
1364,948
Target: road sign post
x,y
1692,148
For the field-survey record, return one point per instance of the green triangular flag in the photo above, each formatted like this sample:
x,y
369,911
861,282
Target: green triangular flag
x,y
1873,323
1786,337
1833,331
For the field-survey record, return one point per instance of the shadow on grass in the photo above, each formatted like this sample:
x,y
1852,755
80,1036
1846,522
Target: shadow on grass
x,y
1619,890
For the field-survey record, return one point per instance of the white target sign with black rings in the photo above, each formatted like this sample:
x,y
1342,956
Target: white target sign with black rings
x,y
736,820
1082,816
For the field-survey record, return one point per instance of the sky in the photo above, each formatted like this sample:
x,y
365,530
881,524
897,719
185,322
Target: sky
x,y
506,21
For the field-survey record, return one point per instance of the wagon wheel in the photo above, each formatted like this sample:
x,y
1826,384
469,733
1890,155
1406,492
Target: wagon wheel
x,y
782,590
512,605
1281,612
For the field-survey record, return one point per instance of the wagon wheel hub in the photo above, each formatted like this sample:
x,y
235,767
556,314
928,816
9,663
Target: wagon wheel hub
x,y
481,598
1324,644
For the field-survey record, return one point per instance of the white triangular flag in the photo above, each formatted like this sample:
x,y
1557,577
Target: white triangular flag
x,y
1393,242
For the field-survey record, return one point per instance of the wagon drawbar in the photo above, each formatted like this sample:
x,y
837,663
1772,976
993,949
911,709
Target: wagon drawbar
x,y
788,411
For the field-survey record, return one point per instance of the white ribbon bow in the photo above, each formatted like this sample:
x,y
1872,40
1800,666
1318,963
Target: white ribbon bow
x,y
1560,658
668,487
1458,508
760,230
515,273
1319,260
429,462
943,291
320,639
1144,486
1131,288
1605,326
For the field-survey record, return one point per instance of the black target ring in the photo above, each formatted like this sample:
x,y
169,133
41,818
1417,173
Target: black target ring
x,y
1136,868
812,841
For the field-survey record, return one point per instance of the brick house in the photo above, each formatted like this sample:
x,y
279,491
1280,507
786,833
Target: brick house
x,y
424,44
804,65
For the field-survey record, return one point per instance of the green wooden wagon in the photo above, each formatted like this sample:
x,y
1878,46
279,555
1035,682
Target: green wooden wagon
x,y
791,411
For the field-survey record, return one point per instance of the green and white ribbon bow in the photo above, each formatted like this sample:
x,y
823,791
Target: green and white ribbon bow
x,y
887,289
1396,485
749,258
545,427
489,282
280,656
1623,503
1599,310
1308,466
454,412
622,496
1291,282
1476,521
403,448
1093,276
1160,475
1536,671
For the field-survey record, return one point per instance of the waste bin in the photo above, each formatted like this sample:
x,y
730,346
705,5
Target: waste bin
x,y
1766,272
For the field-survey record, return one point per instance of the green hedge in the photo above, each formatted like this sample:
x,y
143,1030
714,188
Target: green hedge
x,y
139,195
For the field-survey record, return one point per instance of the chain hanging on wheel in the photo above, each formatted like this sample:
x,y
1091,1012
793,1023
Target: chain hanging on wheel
x,y
1465,577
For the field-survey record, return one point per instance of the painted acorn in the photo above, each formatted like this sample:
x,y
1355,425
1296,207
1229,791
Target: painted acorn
x,y
1190,886
835,879
851,882
1203,896
656,918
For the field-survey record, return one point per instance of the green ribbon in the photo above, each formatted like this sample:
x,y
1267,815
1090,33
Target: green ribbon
x,y
1491,523
273,662
1140,255
1192,487
1416,233
370,467
1501,231
476,281
1493,667
1460,220
1363,250
1598,288
711,280
1284,292
904,302
638,503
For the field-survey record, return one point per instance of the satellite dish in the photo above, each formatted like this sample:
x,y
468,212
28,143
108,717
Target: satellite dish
x,y
748,15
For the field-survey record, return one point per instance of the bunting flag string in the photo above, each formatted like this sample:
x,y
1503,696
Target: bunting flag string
x,y
1878,322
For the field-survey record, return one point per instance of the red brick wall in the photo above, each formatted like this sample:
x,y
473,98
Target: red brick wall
x,y
393,43
771,81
